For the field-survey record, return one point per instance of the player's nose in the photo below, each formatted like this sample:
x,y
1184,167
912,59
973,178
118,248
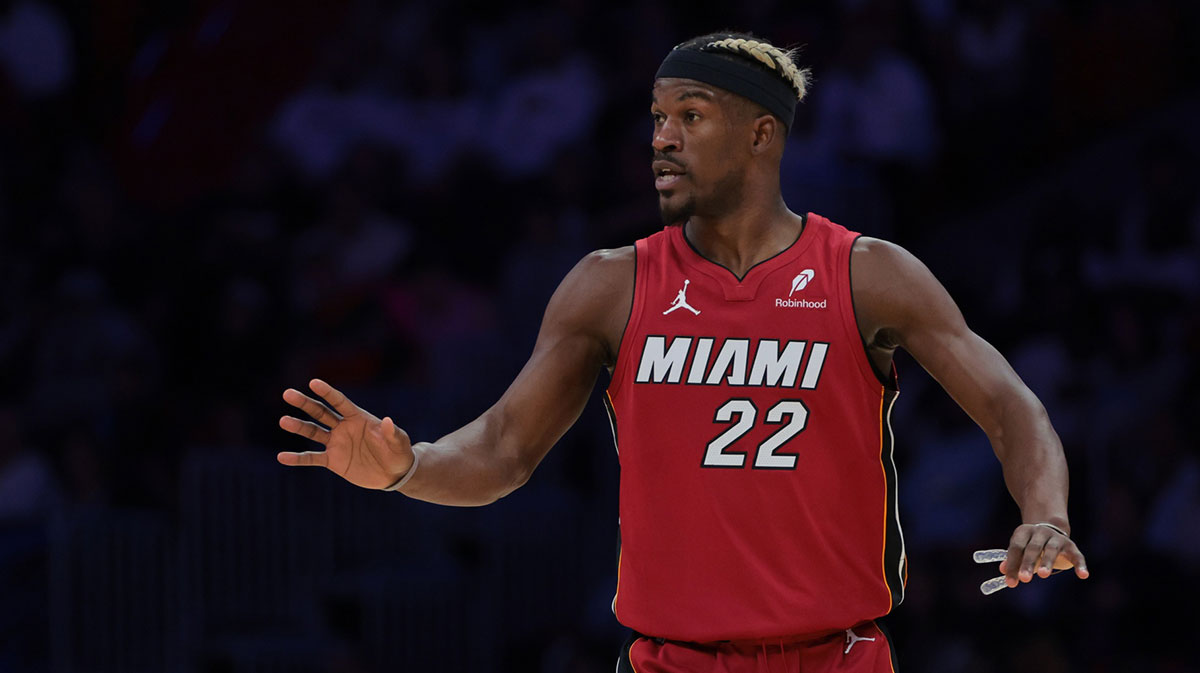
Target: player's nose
x,y
667,138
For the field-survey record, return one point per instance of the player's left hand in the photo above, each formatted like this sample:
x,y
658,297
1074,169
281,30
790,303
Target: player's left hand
x,y
1041,550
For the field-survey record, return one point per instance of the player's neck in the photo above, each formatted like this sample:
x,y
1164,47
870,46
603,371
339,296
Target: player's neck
x,y
745,237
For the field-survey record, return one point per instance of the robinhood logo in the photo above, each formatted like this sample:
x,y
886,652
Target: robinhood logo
x,y
781,302
801,281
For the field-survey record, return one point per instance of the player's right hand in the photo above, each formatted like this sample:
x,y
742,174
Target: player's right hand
x,y
359,447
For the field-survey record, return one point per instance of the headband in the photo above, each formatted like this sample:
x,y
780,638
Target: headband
x,y
745,79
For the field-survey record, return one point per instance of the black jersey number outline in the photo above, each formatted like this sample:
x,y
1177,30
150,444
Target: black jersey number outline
x,y
767,456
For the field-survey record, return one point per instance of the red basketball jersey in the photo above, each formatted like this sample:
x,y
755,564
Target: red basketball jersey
x,y
758,491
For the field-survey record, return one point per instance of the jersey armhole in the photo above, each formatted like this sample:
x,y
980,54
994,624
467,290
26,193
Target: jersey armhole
x,y
873,375
631,323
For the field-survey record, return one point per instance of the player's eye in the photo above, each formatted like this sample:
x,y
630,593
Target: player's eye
x,y
657,117
692,116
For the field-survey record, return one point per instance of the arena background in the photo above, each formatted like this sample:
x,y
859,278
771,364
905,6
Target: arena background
x,y
204,203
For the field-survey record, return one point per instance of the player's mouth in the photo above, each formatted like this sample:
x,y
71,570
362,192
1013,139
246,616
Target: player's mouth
x,y
666,174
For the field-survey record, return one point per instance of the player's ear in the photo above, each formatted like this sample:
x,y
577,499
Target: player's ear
x,y
767,133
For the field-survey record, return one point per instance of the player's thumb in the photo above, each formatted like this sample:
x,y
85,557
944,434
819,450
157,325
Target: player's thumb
x,y
396,438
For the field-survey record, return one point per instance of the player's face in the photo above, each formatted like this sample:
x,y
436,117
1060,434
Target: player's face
x,y
697,165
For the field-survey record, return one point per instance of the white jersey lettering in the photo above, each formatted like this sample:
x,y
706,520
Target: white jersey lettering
x,y
661,364
700,360
733,356
772,368
816,361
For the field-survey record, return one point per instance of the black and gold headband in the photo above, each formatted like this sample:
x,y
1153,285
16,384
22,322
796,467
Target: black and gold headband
x,y
746,79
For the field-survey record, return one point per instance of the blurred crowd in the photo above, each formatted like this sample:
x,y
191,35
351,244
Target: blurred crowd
x,y
203,203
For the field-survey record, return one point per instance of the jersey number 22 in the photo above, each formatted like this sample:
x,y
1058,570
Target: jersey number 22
x,y
767,455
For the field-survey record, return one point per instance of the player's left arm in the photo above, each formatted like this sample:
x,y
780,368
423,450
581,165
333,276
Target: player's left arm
x,y
899,304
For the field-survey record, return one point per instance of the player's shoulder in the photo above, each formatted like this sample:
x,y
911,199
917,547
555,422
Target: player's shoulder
x,y
885,277
600,277
876,255
612,257
870,244
596,296
608,266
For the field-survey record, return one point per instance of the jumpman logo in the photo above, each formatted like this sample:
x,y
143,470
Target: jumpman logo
x,y
852,638
681,300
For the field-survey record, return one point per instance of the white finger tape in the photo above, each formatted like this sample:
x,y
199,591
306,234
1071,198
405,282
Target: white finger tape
x,y
993,585
990,555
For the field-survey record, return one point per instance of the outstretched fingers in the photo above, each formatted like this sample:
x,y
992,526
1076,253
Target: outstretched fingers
x,y
334,397
304,429
304,459
319,412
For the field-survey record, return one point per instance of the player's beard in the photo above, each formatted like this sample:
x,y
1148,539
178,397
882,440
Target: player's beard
x,y
677,214
725,196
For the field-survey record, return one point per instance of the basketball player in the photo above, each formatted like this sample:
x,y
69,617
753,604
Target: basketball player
x,y
758,493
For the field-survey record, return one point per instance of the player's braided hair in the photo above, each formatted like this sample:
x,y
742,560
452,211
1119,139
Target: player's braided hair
x,y
747,46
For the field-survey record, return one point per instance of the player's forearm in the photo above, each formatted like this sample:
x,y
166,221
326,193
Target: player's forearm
x,y
1015,421
496,453
467,468
1035,469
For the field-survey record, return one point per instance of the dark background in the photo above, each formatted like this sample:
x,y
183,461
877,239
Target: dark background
x,y
203,203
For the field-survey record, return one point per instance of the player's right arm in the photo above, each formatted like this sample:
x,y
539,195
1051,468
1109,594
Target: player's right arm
x,y
497,452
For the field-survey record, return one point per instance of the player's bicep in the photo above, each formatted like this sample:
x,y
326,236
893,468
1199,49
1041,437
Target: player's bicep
x,y
547,397
969,368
